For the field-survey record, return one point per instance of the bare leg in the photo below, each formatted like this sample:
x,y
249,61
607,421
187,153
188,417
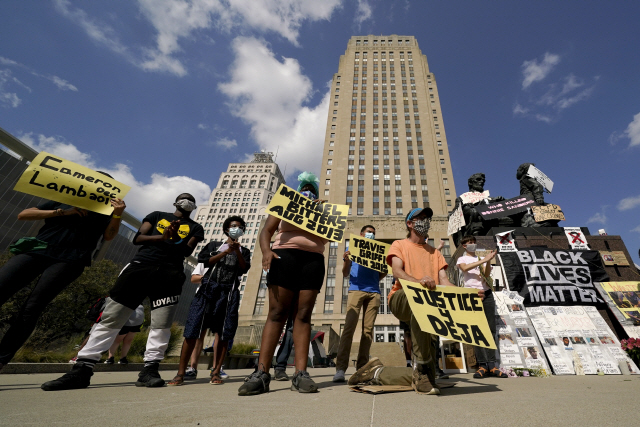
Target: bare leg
x,y
114,347
185,354
302,327
195,355
280,301
407,345
126,344
219,353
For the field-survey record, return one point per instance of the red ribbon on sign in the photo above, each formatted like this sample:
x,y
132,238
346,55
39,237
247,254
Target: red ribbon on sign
x,y
504,240
576,237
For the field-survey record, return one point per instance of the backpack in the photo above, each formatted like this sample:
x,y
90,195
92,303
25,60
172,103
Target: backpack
x,y
95,311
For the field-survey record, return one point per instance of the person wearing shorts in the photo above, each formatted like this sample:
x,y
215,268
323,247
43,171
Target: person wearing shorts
x,y
295,274
157,272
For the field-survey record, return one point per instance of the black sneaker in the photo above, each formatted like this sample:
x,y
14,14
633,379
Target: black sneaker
x,y
123,361
280,375
303,383
109,361
441,375
78,377
149,377
256,383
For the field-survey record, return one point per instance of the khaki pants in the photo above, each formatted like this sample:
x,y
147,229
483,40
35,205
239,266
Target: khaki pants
x,y
422,348
369,302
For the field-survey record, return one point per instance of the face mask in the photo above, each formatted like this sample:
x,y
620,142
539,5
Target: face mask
x,y
369,235
235,233
308,194
185,205
471,247
422,226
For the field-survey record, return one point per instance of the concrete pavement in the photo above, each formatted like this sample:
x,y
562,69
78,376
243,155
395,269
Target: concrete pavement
x,y
112,399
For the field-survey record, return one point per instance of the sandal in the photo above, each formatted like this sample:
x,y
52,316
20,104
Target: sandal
x,y
216,379
481,373
177,380
495,372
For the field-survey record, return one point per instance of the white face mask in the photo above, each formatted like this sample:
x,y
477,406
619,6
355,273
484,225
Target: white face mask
x,y
235,233
185,204
471,247
370,235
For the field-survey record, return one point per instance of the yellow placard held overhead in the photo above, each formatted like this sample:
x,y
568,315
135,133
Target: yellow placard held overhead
x,y
450,312
325,220
369,253
54,178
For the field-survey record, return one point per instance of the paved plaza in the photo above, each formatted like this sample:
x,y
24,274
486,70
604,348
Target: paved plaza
x,y
113,400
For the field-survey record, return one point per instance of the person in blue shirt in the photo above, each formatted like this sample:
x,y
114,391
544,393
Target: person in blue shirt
x,y
364,295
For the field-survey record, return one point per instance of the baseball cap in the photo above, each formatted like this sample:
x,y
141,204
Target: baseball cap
x,y
417,211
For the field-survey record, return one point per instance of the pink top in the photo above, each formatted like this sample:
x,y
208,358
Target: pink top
x,y
472,278
291,237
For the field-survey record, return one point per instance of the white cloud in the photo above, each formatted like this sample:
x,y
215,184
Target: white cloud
x,y
637,229
7,98
226,143
534,71
598,217
633,131
158,193
270,95
363,12
628,203
519,109
63,84
569,101
543,118
202,126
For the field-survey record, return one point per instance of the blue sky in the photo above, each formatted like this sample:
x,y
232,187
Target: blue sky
x,y
165,93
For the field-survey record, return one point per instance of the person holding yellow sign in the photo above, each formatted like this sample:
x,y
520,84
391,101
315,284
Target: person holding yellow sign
x,y
295,273
157,272
58,254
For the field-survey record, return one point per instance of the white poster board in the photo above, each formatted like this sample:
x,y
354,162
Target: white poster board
x,y
542,179
456,221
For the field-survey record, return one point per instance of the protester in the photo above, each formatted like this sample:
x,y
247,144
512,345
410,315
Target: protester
x,y
125,337
475,278
58,254
156,271
414,260
364,294
217,300
295,273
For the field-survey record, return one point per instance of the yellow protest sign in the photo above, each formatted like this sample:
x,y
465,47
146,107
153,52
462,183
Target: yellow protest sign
x,y
369,253
451,312
626,296
325,220
54,178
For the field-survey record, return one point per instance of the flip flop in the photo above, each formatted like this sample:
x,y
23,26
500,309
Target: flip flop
x,y
216,379
177,380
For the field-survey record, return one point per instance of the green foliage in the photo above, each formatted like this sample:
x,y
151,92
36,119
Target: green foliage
x,y
241,348
139,344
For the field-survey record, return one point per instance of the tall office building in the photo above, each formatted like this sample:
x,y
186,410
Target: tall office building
x,y
385,153
245,190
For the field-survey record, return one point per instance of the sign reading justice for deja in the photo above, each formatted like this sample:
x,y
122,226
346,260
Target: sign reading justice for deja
x,y
369,253
451,312
322,219
54,178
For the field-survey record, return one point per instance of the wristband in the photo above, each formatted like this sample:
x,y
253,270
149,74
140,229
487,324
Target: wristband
x,y
116,216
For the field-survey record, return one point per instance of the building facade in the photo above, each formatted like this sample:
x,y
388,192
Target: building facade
x,y
385,153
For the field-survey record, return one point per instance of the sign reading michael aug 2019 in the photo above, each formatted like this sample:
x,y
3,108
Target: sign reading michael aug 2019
x,y
322,219
555,277
54,178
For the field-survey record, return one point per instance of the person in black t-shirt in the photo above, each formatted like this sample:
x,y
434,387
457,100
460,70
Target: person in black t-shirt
x,y
156,271
67,240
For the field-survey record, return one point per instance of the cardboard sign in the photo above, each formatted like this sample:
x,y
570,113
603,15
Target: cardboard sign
x,y
554,276
542,179
625,296
369,253
456,221
614,258
325,220
450,312
576,238
547,212
54,178
474,196
506,242
506,207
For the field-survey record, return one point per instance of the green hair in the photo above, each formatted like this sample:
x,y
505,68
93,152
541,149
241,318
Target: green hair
x,y
309,178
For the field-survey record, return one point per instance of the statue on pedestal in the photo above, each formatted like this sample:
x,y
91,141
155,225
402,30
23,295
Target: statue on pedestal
x,y
533,188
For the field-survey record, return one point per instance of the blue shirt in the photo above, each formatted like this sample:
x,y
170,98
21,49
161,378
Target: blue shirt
x,y
363,279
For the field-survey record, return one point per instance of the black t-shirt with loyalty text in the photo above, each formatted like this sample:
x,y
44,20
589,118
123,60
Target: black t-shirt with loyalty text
x,y
168,252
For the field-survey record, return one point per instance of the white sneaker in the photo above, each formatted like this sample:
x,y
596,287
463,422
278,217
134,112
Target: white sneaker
x,y
223,374
339,376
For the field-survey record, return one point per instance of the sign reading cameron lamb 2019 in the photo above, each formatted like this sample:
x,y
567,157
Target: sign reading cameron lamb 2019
x,y
554,276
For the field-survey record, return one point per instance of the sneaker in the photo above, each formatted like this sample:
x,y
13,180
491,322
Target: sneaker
x,y
339,376
256,383
441,375
303,383
424,380
223,374
150,377
123,361
74,360
109,361
280,375
366,374
190,374
78,377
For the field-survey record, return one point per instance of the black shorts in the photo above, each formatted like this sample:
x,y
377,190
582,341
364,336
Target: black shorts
x,y
126,329
161,283
297,270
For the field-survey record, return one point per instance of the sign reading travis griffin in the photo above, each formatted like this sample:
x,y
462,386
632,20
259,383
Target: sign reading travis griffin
x,y
506,207
369,253
554,276
325,220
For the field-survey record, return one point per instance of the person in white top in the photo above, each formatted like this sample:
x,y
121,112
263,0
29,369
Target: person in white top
x,y
471,265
